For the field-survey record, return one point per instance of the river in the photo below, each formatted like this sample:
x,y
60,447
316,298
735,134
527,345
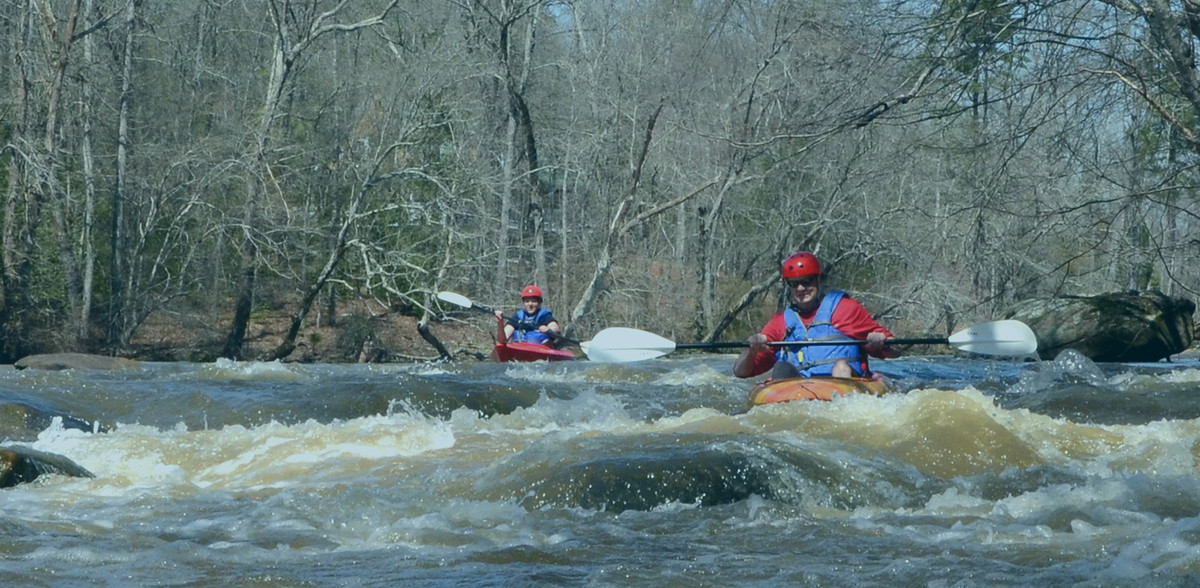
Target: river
x,y
657,473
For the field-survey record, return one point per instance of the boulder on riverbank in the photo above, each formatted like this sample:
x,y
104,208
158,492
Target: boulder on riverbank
x,y
1120,326
67,361
19,465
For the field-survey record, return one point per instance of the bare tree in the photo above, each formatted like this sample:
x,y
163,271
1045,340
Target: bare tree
x,y
44,44
505,30
297,26
118,322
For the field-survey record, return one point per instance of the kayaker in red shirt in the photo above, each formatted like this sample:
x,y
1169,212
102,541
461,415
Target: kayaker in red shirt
x,y
814,315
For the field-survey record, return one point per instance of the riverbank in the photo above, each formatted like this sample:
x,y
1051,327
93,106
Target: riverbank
x,y
354,337
362,335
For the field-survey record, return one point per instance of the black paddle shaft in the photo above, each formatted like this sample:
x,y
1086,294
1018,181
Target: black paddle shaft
x,y
728,344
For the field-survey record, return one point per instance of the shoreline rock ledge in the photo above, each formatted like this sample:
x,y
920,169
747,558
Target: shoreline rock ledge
x,y
1115,327
67,361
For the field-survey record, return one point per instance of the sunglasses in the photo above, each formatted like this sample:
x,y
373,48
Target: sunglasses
x,y
802,283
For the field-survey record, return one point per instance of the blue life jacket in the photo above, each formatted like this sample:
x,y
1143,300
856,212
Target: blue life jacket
x,y
818,360
525,326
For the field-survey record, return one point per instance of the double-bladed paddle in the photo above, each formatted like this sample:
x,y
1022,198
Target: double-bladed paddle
x,y
1009,338
460,300
1005,338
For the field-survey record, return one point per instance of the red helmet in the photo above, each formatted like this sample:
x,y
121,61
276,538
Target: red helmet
x,y
801,264
531,291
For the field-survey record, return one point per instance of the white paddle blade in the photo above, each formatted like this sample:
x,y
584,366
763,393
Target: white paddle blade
x,y
455,299
1009,338
623,345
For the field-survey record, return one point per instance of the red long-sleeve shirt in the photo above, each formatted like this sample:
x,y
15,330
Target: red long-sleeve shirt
x,y
848,317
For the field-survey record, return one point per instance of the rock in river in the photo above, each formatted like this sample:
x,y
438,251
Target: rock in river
x,y
1119,326
22,464
22,422
66,361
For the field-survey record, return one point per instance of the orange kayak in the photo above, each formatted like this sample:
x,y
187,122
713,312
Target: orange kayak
x,y
528,352
813,389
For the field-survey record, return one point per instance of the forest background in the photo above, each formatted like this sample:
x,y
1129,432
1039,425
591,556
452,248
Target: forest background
x,y
182,173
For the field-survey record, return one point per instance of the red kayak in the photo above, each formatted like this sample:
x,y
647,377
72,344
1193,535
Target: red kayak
x,y
523,351
528,352
813,389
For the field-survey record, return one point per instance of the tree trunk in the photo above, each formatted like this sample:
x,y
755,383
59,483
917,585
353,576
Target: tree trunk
x,y
89,203
536,209
52,192
241,311
506,196
423,324
33,180
708,267
281,61
118,257
15,275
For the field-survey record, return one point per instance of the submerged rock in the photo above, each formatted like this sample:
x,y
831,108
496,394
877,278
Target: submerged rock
x,y
21,422
614,474
1121,326
66,361
19,465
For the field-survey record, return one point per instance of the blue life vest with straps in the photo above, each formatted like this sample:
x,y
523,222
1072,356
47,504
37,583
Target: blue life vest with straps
x,y
818,360
525,326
